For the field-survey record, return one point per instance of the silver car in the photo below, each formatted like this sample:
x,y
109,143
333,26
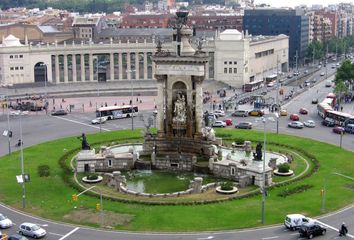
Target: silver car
x,y
5,222
32,230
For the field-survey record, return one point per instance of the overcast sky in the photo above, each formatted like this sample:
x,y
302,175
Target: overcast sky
x,y
292,3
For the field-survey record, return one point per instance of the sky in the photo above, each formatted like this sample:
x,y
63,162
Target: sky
x,y
292,3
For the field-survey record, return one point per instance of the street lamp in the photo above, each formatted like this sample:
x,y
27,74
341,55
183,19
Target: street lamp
x,y
132,91
9,132
22,165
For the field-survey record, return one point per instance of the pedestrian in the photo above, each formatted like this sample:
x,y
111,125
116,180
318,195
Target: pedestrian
x,y
90,104
343,230
105,104
61,106
341,108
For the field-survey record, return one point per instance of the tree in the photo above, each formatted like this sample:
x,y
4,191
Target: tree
x,y
345,72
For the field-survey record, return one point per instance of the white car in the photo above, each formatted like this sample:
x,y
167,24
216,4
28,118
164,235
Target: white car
x,y
310,124
18,112
322,74
295,221
99,120
5,222
219,113
219,124
31,230
295,124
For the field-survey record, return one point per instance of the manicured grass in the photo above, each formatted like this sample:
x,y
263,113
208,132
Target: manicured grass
x,y
50,196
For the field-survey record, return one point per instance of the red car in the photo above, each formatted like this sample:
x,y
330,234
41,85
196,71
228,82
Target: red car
x,y
338,130
294,117
303,111
228,122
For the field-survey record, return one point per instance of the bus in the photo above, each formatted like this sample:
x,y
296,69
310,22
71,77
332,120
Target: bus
x,y
340,118
334,97
323,108
271,78
251,86
115,112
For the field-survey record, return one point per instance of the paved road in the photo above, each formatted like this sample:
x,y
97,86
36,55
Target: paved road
x,y
40,128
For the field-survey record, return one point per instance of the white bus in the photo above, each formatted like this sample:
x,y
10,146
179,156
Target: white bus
x,y
115,112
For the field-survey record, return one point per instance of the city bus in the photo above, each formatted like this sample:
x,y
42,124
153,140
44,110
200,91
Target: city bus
x,y
340,118
251,86
115,112
323,108
271,78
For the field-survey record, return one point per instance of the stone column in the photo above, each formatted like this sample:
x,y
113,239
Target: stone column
x,y
91,67
198,104
145,66
153,70
74,67
66,68
206,70
129,76
57,74
111,65
82,67
137,66
160,100
120,73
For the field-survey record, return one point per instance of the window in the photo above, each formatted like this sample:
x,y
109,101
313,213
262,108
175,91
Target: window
x,y
16,56
225,62
235,70
21,68
230,62
11,56
230,70
233,171
235,62
11,68
225,70
21,56
110,163
16,68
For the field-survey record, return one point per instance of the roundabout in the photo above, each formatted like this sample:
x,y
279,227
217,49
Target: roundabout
x,y
58,187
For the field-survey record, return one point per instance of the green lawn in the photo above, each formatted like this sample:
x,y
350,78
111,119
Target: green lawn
x,y
51,197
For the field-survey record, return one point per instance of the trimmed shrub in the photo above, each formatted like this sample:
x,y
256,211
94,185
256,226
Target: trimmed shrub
x,y
297,189
283,168
92,176
43,170
226,186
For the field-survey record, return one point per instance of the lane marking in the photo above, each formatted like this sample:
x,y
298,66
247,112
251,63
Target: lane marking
x,y
69,233
56,234
270,237
210,237
335,229
85,124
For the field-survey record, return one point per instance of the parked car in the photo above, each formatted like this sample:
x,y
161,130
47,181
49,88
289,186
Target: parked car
x,y
349,128
296,124
256,112
295,221
17,237
228,122
310,123
294,117
283,112
328,83
322,74
219,113
59,112
328,122
314,101
31,230
240,113
244,125
303,111
5,222
310,230
219,124
338,130
99,120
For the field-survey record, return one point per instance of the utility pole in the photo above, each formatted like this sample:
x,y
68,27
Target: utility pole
x,y
277,96
326,63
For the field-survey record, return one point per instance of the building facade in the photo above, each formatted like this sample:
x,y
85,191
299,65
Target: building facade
x,y
268,21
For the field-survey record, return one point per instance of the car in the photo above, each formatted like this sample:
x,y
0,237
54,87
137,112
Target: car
x,y
349,128
283,112
244,125
314,101
17,237
256,112
31,230
303,111
310,124
18,112
219,124
296,73
59,112
307,83
310,230
228,122
219,113
271,84
240,113
322,74
294,117
296,124
5,222
99,120
338,130
290,76
306,71
295,221
328,122
328,83
333,66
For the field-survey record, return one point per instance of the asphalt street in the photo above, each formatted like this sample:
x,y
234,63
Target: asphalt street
x,y
39,127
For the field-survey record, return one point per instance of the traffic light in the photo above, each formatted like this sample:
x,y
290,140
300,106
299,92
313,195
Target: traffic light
x,y
98,206
74,197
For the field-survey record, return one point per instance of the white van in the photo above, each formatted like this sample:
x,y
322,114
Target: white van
x,y
295,221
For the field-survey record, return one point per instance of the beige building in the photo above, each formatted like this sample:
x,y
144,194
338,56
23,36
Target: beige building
x,y
243,59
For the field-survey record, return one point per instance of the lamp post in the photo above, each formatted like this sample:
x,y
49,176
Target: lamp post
x,y
132,100
22,165
263,172
9,132
98,92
